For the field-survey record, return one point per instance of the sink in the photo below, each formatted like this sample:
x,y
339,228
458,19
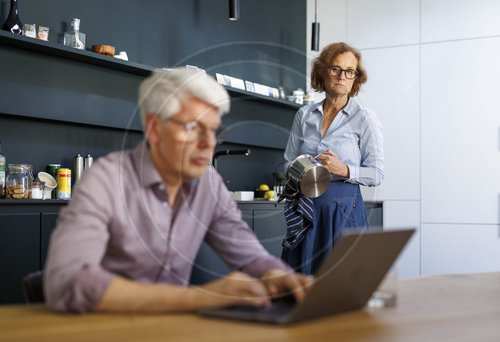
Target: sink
x,y
242,195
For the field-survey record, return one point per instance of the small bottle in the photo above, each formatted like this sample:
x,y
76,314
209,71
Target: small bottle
x,y
88,161
74,37
77,167
13,23
2,172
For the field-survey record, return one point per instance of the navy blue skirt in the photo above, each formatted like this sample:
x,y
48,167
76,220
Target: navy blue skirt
x,y
338,210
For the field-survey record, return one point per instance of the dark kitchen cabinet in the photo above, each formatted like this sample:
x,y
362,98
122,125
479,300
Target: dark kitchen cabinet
x,y
19,253
25,228
208,265
48,224
270,228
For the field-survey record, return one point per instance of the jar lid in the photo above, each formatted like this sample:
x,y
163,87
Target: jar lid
x,y
18,167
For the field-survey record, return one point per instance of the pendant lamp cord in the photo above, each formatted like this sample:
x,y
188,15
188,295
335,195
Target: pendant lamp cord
x,y
315,11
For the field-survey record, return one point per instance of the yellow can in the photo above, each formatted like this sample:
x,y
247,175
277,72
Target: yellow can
x,y
63,183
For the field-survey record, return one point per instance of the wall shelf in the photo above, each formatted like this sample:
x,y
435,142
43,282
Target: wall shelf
x,y
31,205
92,58
58,50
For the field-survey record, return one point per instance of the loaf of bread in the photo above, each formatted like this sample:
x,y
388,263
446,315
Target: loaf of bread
x,y
104,49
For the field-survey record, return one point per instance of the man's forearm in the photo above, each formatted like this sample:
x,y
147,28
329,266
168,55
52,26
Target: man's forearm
x,y
124,295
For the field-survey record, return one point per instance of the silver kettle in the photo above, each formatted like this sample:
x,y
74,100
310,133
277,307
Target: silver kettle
x,y
307,175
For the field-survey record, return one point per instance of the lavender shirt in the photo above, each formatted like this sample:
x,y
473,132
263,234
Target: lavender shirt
x,y
119,223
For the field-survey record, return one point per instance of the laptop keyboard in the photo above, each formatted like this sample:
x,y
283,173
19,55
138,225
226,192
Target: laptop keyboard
x,y
278,306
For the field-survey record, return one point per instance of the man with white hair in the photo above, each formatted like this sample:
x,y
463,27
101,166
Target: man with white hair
x,y
127,240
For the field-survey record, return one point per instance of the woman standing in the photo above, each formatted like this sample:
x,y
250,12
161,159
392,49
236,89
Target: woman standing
x,y
347,138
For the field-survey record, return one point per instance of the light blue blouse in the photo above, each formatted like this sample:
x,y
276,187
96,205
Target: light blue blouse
x,y
355,135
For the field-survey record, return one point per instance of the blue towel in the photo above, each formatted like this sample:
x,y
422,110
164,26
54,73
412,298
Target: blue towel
x,y
298,217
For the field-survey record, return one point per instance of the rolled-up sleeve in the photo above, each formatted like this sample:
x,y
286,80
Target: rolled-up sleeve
x,y
293,145
74,279
235,242
371,146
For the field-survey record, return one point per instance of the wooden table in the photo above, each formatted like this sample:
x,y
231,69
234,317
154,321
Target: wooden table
x,y
434,308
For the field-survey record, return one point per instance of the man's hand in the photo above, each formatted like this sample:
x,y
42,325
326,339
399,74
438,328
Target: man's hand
x,y
333,164
278,281
235,288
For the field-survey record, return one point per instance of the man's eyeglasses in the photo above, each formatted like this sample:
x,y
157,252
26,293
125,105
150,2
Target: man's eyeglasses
x,y
196,131
336,71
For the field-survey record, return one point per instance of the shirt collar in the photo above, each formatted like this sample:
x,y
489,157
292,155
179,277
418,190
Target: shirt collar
x,y
146,170
318,106
351,107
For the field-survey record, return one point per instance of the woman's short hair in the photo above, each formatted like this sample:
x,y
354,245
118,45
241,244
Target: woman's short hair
x,y
326,57
163,91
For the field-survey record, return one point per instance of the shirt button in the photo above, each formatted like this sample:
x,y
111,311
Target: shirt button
x,y
161,187
167,268
165,204
354,205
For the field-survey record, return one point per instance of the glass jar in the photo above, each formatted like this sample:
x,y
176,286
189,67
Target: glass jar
x,y
37,190
31,179
17,181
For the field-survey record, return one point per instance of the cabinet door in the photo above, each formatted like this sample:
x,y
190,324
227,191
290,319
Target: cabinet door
x,y
208,265
375,217
449,248
48,224
19,253
247,216
270,228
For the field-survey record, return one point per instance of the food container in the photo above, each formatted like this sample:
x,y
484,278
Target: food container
x,y
37,190
43,33
29,30
63,183
104,49
308,176
17,181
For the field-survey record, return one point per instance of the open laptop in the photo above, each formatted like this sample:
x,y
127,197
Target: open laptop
x,y
344,282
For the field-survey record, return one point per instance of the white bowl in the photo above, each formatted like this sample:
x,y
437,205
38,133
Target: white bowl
x,y
242,195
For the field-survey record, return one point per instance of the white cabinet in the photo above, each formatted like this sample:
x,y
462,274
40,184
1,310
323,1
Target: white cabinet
x,y
405,214
450,248
392,91
459,19
382,23
460,132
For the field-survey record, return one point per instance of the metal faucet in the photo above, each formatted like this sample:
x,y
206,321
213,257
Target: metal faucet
x,y
227,153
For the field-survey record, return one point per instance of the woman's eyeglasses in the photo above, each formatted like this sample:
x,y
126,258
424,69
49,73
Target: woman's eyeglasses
x,y
336,71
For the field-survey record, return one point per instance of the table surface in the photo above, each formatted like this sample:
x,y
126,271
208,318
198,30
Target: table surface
x,y
432,308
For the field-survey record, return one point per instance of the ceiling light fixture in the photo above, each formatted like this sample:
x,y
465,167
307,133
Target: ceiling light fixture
x,y
315,29
234,10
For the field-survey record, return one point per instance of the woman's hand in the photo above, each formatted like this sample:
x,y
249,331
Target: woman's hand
x,y
333,164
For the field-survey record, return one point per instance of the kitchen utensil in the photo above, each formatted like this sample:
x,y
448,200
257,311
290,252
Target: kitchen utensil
x,y
307,175
50,184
